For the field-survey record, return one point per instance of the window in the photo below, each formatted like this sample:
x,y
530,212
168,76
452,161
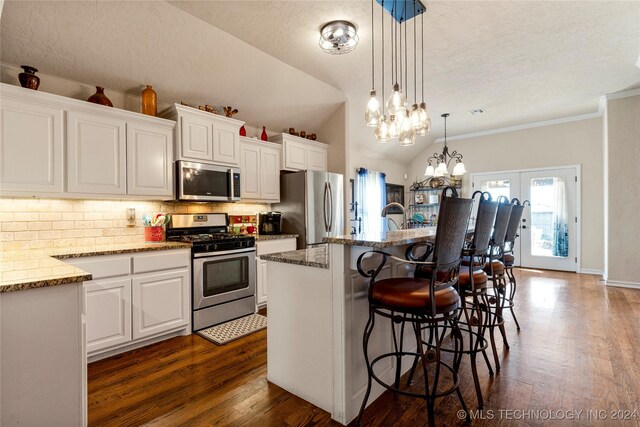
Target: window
x,y
371,196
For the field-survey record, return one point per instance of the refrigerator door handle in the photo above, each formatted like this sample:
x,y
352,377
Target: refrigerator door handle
x,y
326,219
330,207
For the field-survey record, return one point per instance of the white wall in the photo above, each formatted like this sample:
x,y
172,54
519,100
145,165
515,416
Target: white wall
x,y
572,143
622,145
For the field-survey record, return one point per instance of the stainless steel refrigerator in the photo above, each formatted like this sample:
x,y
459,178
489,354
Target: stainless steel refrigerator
x,y
312,205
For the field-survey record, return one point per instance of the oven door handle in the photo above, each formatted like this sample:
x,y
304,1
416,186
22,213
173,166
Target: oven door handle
x,y
220,253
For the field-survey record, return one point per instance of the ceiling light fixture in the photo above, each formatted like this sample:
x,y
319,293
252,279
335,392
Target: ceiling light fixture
x,y
405,121
442,161
338,37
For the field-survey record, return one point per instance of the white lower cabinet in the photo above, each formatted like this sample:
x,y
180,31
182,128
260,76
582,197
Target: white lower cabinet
x,y
135,297
160,302
264,247
108,306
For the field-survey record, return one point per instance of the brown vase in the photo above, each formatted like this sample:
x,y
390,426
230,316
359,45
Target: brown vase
x,y
100,98
149,102
28,78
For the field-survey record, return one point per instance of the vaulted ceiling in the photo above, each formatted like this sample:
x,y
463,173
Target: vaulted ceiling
x,y
522,61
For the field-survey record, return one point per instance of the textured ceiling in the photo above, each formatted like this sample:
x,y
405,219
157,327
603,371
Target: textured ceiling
x,y
522,61
123,45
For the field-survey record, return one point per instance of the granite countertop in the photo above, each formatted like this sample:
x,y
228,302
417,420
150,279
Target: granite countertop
x,y
312,257
386,238
275,236
30,269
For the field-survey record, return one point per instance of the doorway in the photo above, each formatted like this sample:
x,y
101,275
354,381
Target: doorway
x,y
549,228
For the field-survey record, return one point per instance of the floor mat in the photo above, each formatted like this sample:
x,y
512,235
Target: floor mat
x,y
226,332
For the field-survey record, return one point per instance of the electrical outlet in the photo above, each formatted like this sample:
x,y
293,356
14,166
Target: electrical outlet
x,y
131,216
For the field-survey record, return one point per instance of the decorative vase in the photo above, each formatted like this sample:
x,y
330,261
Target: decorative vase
x,y
263,136
243,131
149,102
28,78
100,98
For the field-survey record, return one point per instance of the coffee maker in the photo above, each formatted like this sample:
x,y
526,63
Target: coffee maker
x,y
269,223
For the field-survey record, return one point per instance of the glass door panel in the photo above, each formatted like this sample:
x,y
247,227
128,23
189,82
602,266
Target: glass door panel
x,y
548,229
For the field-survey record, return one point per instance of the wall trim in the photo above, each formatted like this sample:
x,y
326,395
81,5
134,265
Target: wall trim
x,y
552,122
590,271
622,284
623,94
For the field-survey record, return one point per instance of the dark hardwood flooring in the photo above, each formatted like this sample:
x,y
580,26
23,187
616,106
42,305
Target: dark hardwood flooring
x,y
577,351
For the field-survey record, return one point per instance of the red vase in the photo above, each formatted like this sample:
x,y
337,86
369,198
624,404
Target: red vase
x,y
243,131
100,98
263,136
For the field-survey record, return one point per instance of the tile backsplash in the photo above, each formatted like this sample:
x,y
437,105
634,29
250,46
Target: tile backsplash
x,y
48,223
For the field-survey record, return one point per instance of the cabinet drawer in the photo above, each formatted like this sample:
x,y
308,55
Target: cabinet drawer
x,y
161,261
101,267
272,246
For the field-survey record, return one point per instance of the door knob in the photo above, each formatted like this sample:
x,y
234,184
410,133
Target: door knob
x,y
524,226
524,219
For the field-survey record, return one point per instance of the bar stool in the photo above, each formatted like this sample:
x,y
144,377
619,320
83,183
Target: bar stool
x,y
472,285
496,274
508,257
422,302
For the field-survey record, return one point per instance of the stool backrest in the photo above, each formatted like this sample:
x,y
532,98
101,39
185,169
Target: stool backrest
x,y
485,219
500,226
453,220
514,223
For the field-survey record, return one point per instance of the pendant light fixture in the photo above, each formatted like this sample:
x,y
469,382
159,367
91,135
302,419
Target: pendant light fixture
x,y
443,160
372,114
402,120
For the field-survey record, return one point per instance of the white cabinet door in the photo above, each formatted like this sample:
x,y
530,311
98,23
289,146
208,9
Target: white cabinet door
x,y
149,160
317,158
261,282
31,147
196,140
160,302
108,307
295,155
96,154
269,174
226,144
250,168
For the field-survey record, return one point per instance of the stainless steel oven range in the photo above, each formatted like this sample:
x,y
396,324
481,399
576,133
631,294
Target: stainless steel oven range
x,y
223,267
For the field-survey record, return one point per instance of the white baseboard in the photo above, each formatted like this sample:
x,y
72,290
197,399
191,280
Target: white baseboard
x,y
622,284
590,271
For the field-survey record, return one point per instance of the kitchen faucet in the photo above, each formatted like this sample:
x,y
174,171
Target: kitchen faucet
x,y
405,220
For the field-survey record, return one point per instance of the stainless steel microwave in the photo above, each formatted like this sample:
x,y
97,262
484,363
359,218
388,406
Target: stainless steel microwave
x,y
204,182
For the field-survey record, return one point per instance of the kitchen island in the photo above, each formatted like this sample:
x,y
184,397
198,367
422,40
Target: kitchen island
x,y
43,332
318,309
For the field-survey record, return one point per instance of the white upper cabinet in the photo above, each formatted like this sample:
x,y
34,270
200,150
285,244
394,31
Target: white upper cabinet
x,y
56,146
149,160
196,138
301,154
250,171
31,146
205,137
317,158
96,154
270,173
226,143
260,169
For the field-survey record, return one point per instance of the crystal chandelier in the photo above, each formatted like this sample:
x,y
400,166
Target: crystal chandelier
x,y
442,161
403,121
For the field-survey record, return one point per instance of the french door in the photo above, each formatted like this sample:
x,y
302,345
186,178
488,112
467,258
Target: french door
x,y
548,230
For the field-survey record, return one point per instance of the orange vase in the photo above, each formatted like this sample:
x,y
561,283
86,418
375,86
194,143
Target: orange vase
x,y
149,101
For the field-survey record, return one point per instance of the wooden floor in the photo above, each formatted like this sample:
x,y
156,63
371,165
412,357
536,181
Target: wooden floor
x,y
577,351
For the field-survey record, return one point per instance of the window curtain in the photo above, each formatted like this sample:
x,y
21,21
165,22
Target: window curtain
x,y
371,196
560,224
